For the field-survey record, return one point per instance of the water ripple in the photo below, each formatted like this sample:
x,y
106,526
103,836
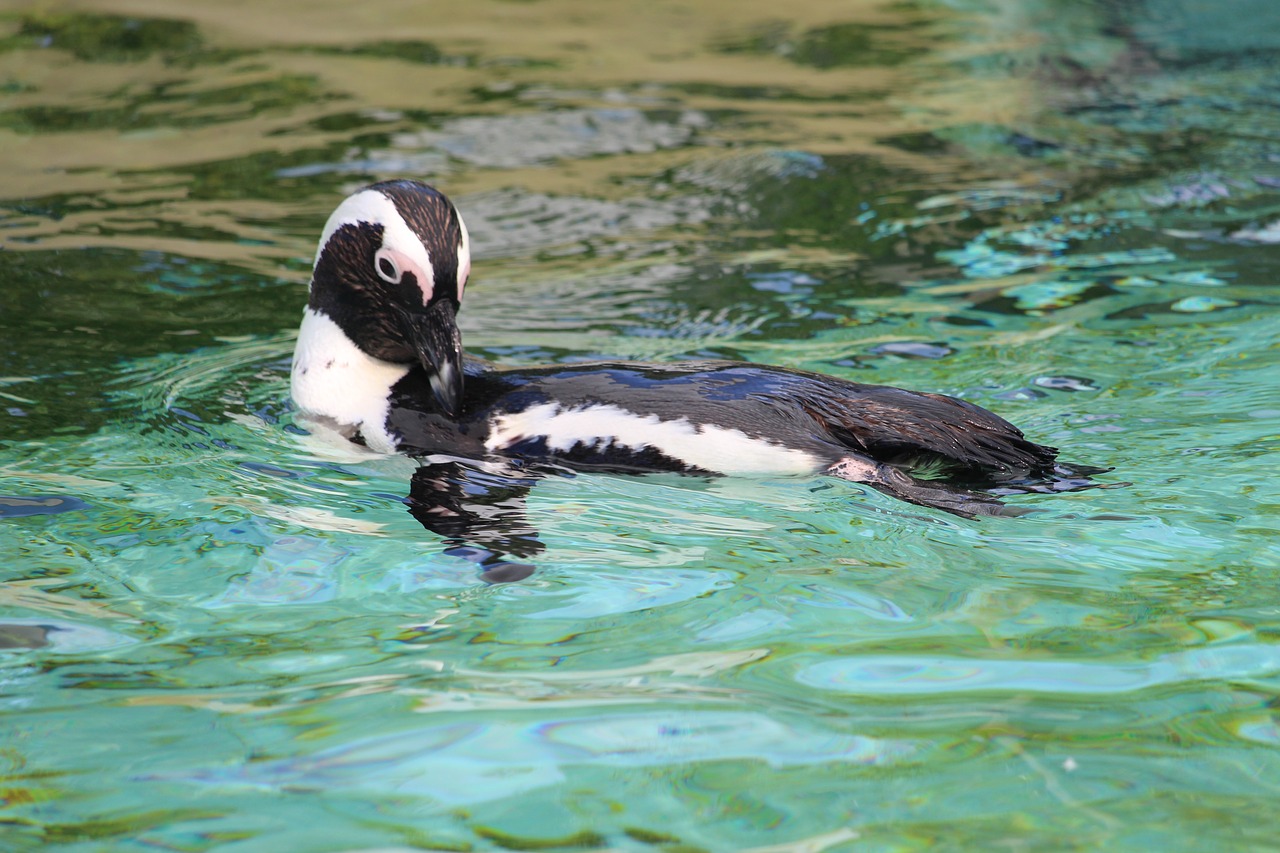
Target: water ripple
x,y
891,675
474,762
607,593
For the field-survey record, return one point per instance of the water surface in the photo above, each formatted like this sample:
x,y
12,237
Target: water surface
x,y
222,634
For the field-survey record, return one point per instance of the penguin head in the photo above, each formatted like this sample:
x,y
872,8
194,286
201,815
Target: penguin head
x,y
390,270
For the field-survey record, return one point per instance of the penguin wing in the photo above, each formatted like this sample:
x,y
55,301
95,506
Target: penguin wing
x,y
915,430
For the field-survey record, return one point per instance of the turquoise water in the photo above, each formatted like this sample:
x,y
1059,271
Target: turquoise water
x,y
220,633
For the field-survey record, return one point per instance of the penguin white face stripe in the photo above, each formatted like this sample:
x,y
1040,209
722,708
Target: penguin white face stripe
x,y
705,446
464,256
375,208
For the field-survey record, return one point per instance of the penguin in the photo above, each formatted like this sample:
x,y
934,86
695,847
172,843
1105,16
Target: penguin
x,y
379,358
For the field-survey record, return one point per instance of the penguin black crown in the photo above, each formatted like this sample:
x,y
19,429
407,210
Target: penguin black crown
x,y
379,357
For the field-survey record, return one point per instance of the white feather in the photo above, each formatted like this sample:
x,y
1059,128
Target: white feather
x,y
464,255
706,446
333,379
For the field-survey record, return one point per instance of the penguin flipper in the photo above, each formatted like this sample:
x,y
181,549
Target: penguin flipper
x,y
897,484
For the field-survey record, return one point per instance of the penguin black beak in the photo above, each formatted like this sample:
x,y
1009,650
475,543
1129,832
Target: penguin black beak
x,y
438,343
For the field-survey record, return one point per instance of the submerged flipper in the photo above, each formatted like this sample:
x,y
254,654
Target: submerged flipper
x,y
900,485
480,514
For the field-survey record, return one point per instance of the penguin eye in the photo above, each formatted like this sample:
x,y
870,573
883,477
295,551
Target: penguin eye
x,y
387,268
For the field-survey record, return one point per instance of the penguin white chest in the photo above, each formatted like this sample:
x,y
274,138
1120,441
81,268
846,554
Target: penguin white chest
x,y
333,379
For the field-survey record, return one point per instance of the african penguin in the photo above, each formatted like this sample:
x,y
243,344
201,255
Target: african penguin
x,y
379,356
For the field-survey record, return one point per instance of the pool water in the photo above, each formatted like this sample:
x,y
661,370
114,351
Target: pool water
x,y
220,633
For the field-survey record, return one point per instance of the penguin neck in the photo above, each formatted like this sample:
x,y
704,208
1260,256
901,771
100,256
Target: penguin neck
x,y
334,380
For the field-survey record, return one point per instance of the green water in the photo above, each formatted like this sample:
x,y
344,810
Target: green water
x,y
221,634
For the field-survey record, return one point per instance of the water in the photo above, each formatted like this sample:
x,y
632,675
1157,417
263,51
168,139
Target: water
x,y
220,634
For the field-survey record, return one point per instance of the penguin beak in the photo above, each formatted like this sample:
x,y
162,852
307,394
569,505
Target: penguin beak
x,y
438,343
